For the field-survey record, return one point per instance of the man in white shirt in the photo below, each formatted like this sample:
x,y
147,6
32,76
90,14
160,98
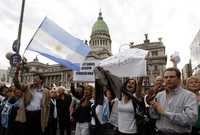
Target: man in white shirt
x,y
37,101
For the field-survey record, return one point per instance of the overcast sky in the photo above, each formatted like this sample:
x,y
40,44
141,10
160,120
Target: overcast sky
x,y
176,21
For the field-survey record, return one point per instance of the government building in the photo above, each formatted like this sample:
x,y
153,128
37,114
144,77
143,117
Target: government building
x,y
156,59
100,43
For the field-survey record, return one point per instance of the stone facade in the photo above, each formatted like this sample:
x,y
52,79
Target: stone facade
x,y
4,77
156,59
53,74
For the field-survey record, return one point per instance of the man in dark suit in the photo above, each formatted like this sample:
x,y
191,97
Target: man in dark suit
x,y
63,105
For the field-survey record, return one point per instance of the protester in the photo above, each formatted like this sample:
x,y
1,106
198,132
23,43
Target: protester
x,y
126,114
8,112
20,119
5,96
63,107
104,110
133,117
74,105
157,87
3,89
78,92
102,115
175,108
37,106
82,114
193,84
130,105
53,115
159,82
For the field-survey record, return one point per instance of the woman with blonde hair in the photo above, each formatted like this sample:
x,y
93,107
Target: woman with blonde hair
x,y
82,114
193,85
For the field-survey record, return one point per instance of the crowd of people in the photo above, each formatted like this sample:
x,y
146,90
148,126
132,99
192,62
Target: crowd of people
x,y
168,108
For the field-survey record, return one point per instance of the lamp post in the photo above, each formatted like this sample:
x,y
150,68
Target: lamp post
x,y
15,59
20,26
17,42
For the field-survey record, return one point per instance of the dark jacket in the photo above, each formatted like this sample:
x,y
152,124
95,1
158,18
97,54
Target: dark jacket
x,y
63,109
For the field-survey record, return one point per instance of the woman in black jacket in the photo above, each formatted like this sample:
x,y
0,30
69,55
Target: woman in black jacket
x,y
83,112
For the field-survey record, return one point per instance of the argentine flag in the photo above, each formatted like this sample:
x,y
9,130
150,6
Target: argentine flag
x,y
53,42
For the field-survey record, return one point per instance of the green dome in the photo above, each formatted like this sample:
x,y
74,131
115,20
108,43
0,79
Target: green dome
x,y
100,25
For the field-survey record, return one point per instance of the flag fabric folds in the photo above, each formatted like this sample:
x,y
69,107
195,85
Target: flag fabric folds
x,y
53,42
128,63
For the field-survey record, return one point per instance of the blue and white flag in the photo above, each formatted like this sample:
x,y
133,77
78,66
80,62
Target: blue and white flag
x,y
53,42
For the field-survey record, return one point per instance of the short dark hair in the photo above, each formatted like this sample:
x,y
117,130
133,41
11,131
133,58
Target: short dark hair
x,y
40,76
178,73
107,88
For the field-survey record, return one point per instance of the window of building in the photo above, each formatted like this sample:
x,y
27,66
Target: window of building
x,y
154,53
155,67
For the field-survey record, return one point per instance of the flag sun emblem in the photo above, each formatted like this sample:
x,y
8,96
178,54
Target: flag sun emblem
x,y
58,48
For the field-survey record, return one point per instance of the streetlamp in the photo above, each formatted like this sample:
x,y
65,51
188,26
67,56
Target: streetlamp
x,y
17,42
15,59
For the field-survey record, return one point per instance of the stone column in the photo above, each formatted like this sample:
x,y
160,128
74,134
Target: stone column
x,y
61,78
50,80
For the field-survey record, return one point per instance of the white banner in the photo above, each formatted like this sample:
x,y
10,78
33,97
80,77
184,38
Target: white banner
x,y
86,74
129,63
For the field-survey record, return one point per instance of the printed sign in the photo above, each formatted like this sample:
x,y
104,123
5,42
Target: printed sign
x,y
86,74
